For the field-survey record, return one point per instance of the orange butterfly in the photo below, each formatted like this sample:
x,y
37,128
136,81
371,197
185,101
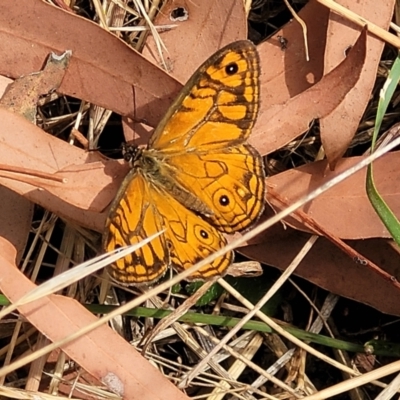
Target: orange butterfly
x,y
197,179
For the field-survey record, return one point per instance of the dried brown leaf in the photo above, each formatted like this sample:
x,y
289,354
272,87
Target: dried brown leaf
x,y
329,268
82,197
58,316
281,123
343,210
285,73
15,219
104,75
23,94
338,128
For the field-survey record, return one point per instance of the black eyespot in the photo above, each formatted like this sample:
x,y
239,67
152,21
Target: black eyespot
x,y
231,69
224,200
204,234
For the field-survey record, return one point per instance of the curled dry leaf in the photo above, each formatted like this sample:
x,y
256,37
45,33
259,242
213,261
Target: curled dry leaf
x,y
285,73
138,378
338,128
23,95
281,123
87,187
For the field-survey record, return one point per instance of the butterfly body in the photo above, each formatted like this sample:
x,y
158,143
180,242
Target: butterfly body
x,y
197,179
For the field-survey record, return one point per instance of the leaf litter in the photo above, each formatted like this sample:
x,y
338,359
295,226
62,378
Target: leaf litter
x,y
133,87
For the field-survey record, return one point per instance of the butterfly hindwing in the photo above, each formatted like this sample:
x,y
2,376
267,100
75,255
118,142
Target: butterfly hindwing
x,y
230,184
144,209
190,239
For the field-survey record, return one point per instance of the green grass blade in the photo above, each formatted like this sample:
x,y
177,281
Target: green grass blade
x,y
382,209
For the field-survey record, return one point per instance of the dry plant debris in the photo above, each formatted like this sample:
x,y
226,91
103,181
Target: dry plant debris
x,y
337,87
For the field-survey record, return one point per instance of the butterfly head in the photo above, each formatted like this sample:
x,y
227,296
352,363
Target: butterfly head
x,y
131,153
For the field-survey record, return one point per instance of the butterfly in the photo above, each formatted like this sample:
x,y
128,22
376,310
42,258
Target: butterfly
x,y
197,179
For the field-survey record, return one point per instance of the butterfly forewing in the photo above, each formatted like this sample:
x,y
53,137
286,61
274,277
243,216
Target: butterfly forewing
x,y
218,105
